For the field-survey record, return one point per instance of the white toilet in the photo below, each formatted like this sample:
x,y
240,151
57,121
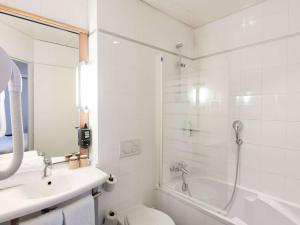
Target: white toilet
x,y
142,215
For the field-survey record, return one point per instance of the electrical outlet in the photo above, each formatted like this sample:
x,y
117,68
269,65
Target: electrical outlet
x,y
130,148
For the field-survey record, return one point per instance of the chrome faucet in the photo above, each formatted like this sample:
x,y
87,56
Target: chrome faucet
x,y
182,167
179,167
47,166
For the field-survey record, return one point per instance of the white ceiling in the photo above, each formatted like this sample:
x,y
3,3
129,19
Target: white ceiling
x,y
199,12
41,32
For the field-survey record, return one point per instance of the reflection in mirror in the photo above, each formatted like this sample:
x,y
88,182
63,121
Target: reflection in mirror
x,y
6,141
2,115
47,58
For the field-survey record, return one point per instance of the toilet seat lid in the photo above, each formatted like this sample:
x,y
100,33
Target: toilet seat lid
x,y
148,216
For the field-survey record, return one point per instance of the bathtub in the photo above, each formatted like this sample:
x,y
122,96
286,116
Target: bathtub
x,y
209,196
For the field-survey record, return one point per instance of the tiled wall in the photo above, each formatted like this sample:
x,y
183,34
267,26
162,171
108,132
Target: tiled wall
x,y
263,83
187,98
268,20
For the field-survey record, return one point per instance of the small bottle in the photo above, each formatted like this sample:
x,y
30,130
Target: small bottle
x,y
73,162
84,161
77,154
67,157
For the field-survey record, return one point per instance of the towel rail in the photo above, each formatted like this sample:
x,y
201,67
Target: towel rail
x,y
15,222
97,194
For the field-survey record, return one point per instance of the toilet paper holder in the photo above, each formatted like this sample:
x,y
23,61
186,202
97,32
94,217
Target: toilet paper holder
x,y
110,183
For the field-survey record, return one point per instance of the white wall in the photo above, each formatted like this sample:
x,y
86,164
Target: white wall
x,y
263,91
127,111
74,12
136,20
269,20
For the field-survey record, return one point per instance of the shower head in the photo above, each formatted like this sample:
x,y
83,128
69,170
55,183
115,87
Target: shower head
x,y
237,126
180,64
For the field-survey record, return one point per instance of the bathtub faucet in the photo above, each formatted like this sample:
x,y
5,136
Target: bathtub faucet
x,y
180,167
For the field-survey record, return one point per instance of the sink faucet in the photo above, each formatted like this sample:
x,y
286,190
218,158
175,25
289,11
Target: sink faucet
x,y
47,166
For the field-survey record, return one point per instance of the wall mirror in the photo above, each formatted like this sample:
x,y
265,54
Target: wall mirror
x,y
48,58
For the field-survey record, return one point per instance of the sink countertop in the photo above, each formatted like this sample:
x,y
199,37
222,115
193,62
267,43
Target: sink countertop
x,y
15,203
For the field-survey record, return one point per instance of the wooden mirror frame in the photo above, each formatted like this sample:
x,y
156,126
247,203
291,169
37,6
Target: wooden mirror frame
x,y
83,33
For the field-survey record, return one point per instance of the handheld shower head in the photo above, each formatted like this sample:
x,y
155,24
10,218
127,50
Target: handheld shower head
x,y
237,126
179,46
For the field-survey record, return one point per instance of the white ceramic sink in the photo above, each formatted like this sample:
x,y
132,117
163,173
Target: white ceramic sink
x,y
36,193
47,187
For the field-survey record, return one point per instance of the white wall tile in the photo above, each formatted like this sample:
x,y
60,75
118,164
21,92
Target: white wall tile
x,y
293,109
293,50
273,160
250,177
252,131
252,57
294,16
292,164
274,79
293,134
274,107
250,107
252,81
274,134
274,54
275,25
252,25
250,155
293,79
274,6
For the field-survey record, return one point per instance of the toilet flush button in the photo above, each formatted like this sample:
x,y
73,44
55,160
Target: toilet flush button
x,y
130,148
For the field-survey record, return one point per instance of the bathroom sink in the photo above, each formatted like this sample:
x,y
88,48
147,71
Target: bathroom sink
x,y
36,193
46,187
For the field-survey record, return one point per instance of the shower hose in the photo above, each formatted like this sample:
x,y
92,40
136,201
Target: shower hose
x,y
239,142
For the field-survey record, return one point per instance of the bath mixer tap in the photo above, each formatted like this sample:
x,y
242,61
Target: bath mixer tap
x,y
180,167
47,166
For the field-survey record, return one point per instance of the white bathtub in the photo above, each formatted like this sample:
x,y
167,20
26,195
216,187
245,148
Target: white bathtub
x,y
249,208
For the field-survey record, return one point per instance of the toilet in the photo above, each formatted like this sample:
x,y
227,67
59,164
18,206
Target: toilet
x,y
142,215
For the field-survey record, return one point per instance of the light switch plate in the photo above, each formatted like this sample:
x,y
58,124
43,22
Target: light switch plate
x,y
130,148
